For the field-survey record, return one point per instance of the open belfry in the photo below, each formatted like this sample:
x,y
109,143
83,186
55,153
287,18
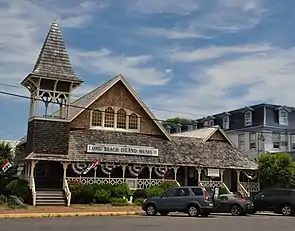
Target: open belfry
x,y
110,136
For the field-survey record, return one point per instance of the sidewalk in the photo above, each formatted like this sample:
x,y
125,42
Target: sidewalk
x,y
75,210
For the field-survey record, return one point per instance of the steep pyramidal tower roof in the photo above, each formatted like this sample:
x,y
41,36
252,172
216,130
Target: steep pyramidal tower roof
x,y
53,60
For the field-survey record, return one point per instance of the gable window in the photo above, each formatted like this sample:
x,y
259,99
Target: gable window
x,y
284,141
276,140
248,118
225,122
293,142
241,141
283,117
133,121
96,118
109,120
211,123
252,140
121,118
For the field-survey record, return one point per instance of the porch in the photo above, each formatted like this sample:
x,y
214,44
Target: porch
x,y
137,176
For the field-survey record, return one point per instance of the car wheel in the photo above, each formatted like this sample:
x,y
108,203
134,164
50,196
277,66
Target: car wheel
x,y
151,210
286,210
164,213
236,210
193,211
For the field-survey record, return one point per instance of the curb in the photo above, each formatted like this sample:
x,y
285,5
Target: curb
x,y
78,214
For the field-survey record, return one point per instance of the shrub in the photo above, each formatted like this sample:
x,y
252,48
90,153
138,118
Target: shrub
x,y
155,191
168,184
139,201
76,188
119,202
121,190
87,193
19,188
102,196
3,199
222,190
140,193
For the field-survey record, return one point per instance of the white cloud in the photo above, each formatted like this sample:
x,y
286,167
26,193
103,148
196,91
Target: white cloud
x,y
266,76
214,52
104,61
171,34
166,6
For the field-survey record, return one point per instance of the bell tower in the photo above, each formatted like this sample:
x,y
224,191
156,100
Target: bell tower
x,y
50,85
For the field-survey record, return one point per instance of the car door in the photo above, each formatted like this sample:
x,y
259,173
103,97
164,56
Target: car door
x,y
222,205
166,201
180,198
263,201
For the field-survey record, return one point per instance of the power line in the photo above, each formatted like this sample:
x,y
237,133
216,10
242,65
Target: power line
x,y
159,120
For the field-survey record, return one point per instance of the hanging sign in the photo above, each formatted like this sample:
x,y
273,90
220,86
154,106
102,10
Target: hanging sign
x,y
211,172
121,149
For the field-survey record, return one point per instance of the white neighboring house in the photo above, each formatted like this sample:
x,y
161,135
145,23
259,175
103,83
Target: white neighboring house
x,y
13,144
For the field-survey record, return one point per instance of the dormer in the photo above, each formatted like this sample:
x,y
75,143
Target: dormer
x,y
283,115
248,111
209,121
225,120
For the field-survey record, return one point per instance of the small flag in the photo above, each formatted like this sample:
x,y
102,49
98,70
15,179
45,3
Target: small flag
x,y
93,165
6,165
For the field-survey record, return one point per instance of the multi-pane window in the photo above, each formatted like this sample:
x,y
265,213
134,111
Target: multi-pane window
x,y
293,142
284,141
133,121
109,119
248,118
241,141
116,118
283,117
121,118
96,118
276,140
225,123
252,140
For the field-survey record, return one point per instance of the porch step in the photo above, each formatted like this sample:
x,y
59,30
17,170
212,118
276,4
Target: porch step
x,y
50,197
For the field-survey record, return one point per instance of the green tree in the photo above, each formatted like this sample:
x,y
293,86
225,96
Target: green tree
x,y
177,120
276,170
5,152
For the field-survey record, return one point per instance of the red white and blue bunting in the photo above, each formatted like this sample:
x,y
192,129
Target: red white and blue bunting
x,y
161,171
251,174
107,168
135,170
79,168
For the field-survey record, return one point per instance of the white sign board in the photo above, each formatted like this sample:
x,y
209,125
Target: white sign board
x,y
121,149
213,172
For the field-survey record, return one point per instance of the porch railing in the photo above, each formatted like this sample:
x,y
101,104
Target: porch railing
x,y
211,184
251,186
133,183
67,192
227,189
243,191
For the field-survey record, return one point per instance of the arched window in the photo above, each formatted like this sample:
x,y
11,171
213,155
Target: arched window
x,y
121,118
133,121
96,118
109,119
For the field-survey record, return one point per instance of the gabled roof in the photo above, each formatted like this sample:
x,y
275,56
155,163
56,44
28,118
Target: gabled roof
x,y
203,133
81,104
53,61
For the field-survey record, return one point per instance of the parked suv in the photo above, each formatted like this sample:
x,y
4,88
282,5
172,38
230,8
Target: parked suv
x,y
275,200
192,200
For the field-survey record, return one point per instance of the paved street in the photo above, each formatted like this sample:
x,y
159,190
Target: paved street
x,y
214,223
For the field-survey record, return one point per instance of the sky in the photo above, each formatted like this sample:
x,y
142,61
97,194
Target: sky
x,y
188,58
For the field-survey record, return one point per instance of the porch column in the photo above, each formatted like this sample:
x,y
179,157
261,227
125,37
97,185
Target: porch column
x,y
175,172
95,169
199,170
221,174
124,170
32,168
185,176
150,173
65,167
